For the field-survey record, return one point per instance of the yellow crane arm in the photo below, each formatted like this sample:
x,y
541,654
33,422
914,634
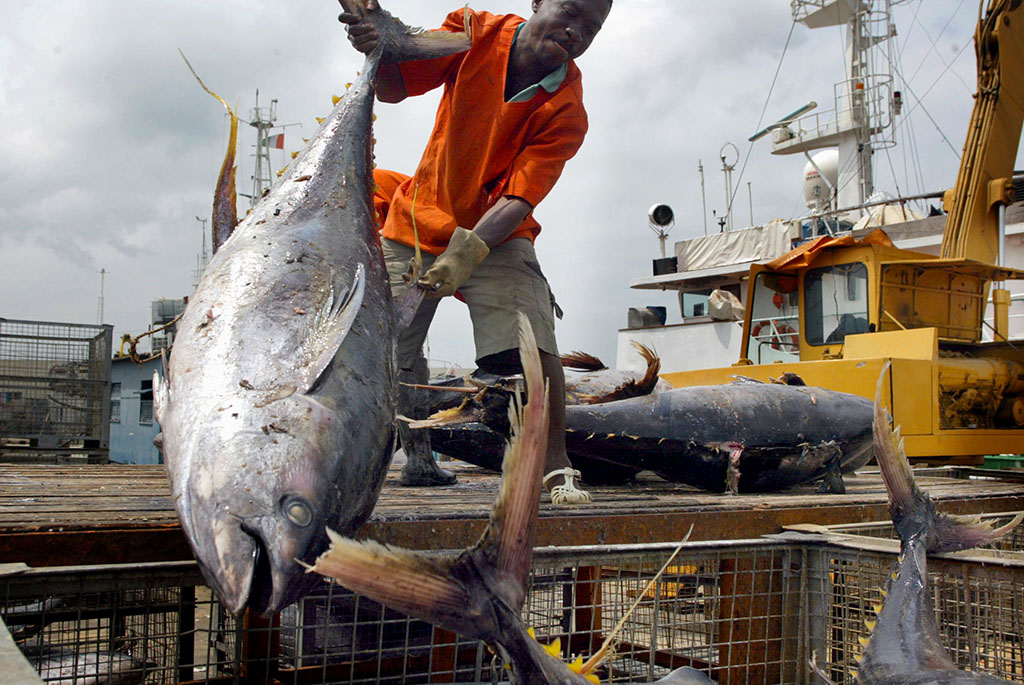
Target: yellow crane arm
x,y
986,169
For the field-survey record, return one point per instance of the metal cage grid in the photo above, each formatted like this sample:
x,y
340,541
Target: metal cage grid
x,y
741,611
54,383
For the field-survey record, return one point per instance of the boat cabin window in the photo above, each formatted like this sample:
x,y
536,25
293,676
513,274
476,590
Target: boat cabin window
x,y
694,303
836,303
774,319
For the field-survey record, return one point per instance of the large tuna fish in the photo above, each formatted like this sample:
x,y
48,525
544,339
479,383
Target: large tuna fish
x,y
905,646
278,406
479,592
740,437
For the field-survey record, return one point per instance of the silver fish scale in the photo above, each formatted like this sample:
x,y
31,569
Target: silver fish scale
x,y
243,438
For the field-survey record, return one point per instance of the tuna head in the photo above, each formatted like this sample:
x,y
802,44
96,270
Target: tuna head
x,y
255,491
265,450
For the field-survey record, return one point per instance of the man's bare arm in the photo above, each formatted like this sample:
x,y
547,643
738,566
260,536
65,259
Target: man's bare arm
x,y
502,219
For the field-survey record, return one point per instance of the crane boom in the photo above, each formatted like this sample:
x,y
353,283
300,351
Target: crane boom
x,y
990,150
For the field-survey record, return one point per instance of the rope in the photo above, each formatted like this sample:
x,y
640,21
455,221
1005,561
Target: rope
x,y
760,120
133,353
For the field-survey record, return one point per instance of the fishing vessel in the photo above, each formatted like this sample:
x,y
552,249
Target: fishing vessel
x,y
842,199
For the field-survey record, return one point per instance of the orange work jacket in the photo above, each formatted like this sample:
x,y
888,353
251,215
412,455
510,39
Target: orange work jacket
x,y
481,148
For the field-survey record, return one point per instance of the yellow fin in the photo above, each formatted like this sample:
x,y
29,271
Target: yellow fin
x,y
335,99
870,623
554,648
319,120
863,641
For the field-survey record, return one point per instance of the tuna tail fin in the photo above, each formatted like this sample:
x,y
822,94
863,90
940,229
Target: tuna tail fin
x,y
650,378
511,530
474,592
225,212
581,361
402,43
912,510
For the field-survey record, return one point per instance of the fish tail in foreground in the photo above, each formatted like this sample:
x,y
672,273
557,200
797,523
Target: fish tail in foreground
x,y
225,212
912,510
479,592
401,43
905,645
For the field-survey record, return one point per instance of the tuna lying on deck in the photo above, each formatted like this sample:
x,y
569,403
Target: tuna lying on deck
x,y
742,437
278,406
905,646
479,592
736,438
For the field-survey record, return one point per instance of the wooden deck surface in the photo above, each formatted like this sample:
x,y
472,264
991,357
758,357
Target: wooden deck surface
x,y
92,514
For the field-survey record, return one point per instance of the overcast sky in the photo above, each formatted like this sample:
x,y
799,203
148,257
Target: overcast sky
x,y
112,149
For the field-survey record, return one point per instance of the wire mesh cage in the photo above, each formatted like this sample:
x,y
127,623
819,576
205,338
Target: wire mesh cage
x,y
54,384
755,611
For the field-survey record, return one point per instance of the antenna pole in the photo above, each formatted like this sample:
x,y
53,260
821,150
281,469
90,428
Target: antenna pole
x,y
203,258
99,308
750,199
703,198
262,120
728,169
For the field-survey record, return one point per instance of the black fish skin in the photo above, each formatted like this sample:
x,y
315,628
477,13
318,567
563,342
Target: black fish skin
x,y
687,435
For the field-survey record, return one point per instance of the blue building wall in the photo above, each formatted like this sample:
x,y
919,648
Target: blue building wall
x,y
132,426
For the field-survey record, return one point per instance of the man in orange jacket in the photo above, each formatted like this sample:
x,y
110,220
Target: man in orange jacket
x,y
510,117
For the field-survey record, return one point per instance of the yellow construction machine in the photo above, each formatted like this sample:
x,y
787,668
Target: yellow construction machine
x,y
835,310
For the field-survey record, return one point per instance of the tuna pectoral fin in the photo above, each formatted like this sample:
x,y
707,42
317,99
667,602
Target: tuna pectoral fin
x,y
161,397
830,457
329,328
911,507
413,582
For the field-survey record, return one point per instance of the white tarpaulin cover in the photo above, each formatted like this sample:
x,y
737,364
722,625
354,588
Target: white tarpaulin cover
x,y
734,247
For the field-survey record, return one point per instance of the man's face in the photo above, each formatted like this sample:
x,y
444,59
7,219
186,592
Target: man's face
x,y
561,30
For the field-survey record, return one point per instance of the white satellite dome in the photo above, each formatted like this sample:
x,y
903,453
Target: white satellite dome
x,y
816,189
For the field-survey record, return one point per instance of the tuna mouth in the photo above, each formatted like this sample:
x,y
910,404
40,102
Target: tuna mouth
x,y
261,584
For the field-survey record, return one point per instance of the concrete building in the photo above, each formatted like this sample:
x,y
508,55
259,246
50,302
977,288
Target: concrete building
x,y
132,425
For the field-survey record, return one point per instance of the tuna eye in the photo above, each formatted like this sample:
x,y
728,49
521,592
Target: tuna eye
x,y
298,512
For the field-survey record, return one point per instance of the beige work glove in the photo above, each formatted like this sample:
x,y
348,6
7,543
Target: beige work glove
x,y
453,267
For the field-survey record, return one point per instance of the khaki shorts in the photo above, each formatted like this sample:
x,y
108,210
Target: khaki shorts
x,y
509,280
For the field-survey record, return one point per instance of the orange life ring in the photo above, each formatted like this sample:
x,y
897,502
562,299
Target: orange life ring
x,y
783,335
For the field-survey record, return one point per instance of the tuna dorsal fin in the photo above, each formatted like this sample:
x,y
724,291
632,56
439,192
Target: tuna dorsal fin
x,y
329,327
225,213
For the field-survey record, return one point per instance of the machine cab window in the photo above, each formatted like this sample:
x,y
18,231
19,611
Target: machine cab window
x,y
836,303
774,319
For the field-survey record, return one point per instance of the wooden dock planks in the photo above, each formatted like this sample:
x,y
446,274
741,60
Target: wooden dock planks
x,y
106,514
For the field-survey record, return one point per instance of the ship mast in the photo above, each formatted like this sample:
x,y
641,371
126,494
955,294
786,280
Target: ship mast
x,y
262,119
864,101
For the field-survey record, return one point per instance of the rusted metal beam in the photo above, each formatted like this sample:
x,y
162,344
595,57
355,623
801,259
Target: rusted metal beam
x,y
167,543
